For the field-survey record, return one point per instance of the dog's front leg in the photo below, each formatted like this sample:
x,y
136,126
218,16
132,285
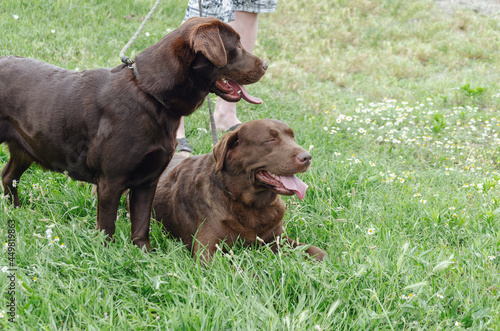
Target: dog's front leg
x,y
313,251
108,198
141,201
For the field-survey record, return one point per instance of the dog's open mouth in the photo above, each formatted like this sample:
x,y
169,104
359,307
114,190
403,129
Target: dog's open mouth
x,y
284,185
231,91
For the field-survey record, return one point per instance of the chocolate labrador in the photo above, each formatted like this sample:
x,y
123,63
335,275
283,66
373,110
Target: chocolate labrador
x,y
235,191
116,128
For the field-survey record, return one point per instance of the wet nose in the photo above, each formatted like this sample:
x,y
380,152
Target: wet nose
x,y
304,157
265,66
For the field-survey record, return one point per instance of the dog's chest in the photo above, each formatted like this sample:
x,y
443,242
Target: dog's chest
x,y
250,224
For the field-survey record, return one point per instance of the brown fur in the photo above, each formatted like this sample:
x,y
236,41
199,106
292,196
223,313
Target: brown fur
x,y
111,127
206,199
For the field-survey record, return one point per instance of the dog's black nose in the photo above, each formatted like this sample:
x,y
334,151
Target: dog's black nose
x,y
265,66
304,157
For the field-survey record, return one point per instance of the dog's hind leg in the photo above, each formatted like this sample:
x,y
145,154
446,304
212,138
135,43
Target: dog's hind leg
x,y
18,163
141,201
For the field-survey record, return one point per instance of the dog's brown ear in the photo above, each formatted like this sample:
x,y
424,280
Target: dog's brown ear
x,y
206,39
227,142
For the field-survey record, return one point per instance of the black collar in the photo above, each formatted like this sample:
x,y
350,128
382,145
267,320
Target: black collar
x,y
136,74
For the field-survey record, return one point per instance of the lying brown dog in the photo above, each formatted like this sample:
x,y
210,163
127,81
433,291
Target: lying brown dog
x,y
234,192
116,128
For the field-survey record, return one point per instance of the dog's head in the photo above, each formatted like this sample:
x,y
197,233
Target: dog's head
x,y
203,55
222,59
262,156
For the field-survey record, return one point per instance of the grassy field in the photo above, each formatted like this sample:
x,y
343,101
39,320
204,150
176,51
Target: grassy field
x,y
398,102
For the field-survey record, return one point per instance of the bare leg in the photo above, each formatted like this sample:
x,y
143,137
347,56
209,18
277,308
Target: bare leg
x,y
246,24
181,133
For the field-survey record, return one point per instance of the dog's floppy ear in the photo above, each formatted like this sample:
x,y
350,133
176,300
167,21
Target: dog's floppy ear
x,y
228,142
206,39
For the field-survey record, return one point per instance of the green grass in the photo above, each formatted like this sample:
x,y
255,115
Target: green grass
x,y
399,104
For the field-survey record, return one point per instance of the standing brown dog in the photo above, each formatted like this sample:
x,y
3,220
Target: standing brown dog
x,y
234,192
116,128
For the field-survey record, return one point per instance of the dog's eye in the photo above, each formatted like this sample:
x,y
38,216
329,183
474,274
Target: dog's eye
x,y
270,140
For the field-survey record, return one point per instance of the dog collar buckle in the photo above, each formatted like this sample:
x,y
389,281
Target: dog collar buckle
x,y
134,69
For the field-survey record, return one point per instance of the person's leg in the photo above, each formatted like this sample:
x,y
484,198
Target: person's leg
x,y
223,11
246,24
183,146
181,131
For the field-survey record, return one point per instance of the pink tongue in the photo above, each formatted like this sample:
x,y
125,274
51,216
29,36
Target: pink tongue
x,y
294,184
244,93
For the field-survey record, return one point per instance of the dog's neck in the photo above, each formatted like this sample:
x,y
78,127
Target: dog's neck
x,y
242,191
136,74
172,87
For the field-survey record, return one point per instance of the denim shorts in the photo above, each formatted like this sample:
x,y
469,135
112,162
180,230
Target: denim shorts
x,y
224,9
